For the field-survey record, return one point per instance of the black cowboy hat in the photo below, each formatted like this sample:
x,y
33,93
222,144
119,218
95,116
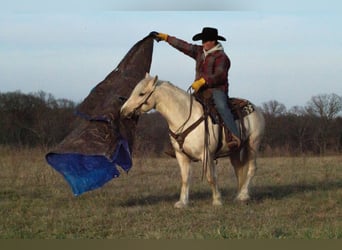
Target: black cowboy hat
x,y
208,34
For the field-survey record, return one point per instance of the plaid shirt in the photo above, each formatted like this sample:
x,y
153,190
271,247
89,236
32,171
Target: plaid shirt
x,y
213,68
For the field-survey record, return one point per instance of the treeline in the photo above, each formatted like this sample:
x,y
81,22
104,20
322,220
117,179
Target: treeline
x,y
313,129
38,119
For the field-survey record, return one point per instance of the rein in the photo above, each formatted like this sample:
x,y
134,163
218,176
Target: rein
x,y
180,136
190,111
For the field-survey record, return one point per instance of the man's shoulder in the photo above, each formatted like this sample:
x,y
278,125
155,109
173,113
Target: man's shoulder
x,y
220,53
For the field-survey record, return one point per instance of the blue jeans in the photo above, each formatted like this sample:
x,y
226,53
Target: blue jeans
x,y
221,103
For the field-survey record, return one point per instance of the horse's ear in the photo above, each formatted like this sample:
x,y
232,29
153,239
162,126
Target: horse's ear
x,y
151,83
147,75
155,79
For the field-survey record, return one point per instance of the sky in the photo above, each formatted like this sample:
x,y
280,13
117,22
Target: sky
x,y
288,52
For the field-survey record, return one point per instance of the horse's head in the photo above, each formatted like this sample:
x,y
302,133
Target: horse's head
x,y
141,99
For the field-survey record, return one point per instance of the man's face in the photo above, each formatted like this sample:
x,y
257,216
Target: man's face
x,y
207,45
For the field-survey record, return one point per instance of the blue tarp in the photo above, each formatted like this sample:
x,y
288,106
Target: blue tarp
x,y
87,172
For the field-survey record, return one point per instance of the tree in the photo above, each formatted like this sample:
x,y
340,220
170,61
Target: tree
x,y
273,108
151,135
325,107
275,134
34,119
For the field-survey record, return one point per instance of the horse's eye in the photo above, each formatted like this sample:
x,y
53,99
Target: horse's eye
x,y
141,94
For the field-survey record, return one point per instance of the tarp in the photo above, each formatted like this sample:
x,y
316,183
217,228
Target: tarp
x,y
88,157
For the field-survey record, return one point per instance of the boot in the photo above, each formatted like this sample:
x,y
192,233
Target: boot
x,y
234,143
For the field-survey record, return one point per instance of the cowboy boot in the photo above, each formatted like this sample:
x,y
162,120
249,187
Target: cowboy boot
x,y
232,141
236,141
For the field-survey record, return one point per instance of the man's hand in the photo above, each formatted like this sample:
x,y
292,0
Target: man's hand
x,y
158,36
198,84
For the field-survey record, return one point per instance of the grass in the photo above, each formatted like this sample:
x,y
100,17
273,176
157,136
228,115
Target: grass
x,y
293,198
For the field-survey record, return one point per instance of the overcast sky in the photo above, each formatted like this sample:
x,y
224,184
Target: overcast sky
x,y
283,52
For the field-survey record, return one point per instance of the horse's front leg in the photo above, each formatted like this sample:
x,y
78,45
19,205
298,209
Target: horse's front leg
x,y
212,180
185,169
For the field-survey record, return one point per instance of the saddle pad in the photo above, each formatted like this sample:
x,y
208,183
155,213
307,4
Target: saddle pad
x,y
240,107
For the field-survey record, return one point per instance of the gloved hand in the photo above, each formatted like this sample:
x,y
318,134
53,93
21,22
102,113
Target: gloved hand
x,y
158,36
198,84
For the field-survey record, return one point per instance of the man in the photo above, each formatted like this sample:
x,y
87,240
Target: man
x,y
212,66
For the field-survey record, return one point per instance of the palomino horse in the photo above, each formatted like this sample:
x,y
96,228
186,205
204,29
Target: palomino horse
x,y
174,105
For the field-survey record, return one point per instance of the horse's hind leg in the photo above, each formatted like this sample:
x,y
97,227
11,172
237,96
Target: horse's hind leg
x,y
244,170
185,169
245,167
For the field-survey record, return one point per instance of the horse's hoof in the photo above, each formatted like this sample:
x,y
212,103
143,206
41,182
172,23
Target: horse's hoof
x,y
242,201
180,204
217,203
243,197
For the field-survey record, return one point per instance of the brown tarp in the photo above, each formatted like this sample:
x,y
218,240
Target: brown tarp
x,y
88,156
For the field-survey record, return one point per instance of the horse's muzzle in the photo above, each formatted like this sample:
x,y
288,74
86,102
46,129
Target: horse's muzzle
x,y
126,113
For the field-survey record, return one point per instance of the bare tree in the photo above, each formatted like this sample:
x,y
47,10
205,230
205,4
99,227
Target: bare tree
x,y
273,108
325,107
297,110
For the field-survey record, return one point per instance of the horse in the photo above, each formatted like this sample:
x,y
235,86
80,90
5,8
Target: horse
x,y
181,111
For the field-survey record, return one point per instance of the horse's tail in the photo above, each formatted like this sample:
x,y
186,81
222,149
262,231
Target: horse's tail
x,y
257,130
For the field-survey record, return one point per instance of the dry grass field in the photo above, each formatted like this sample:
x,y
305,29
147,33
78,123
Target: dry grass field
x,y
293,198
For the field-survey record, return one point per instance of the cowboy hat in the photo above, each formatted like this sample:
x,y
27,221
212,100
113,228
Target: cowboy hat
x,y
208,34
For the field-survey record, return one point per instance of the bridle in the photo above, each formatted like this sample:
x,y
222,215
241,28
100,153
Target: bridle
x,y
144,102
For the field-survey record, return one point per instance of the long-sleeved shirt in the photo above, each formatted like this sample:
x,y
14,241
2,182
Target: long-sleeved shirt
x,y
212,65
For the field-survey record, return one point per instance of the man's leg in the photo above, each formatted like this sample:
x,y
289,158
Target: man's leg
x,y
221,103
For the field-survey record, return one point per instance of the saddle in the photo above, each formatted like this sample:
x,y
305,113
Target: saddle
x,y
239,108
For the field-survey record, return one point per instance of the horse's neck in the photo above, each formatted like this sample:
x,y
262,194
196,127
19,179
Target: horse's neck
x,y
174,105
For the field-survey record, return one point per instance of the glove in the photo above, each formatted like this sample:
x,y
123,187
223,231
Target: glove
x,y
158,36
198,84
